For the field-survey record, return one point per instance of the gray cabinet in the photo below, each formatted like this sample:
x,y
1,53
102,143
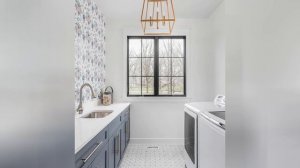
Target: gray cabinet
x,y
95,150
111,153
126,122
125,131
108,147
127,127
115,146
123,138
101,159
119,138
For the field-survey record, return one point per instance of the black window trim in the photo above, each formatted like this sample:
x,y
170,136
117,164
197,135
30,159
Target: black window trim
x,y
156,65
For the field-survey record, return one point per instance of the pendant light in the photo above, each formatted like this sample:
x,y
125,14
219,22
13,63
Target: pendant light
x,y
158,17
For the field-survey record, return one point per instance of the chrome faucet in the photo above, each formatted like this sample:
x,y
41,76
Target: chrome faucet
x,y
79,108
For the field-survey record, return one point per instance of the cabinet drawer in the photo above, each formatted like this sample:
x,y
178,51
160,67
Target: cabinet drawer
x,y
87,154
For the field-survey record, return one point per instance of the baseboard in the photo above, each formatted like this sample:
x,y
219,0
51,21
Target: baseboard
x,y
157,141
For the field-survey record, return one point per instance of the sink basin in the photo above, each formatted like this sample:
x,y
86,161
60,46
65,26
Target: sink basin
x,y
98,114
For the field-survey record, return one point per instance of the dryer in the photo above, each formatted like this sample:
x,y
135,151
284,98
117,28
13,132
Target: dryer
x,y
204,135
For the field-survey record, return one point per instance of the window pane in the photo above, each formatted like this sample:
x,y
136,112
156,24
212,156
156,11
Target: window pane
x,y
148,86
148,48
165,86
177,66
165,49
164,67
177,48
169,57
134,67
148,66
134,47
177,86
135,85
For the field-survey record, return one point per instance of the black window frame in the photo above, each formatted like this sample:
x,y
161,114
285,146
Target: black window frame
x,y
156,65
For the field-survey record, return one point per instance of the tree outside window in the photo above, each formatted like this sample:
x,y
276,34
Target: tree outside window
x,y
156,66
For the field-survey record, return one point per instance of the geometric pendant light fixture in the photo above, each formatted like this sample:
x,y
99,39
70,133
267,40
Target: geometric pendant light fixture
x,y
158,17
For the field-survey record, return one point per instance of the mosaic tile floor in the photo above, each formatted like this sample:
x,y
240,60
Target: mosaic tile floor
x,y
153,156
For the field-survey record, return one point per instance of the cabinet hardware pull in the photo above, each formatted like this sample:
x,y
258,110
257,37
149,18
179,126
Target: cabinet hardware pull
x,y
88,157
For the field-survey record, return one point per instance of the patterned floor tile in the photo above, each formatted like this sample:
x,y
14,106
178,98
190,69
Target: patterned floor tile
x,y
153,156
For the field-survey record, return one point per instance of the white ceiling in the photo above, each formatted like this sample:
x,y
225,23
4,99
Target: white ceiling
x,y
131,9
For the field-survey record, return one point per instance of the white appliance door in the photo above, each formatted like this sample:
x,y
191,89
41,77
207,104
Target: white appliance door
x,y
190,138
211,144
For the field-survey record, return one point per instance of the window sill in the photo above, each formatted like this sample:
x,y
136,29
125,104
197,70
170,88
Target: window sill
x,y
156,99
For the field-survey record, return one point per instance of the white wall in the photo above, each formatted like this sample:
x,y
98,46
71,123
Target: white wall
x,y
162,118
262,83
218,47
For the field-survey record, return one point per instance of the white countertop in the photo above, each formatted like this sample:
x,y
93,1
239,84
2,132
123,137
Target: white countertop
x,y
203,108
87,128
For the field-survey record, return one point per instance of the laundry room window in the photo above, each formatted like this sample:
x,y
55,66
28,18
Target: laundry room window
x,y
156,66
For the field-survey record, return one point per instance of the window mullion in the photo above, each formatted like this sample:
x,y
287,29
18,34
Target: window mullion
x,y
141,66
171,66
156,66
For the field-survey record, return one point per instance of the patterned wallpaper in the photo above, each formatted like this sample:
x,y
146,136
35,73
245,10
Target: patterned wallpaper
x,y
89,48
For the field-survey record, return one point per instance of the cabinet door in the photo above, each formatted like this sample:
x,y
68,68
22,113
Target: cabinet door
x,y
114,152
111,153
117,148
127,132
101,160
123,138
128,128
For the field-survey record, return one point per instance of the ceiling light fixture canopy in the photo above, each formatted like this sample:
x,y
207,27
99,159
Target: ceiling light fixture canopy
x,y
158,17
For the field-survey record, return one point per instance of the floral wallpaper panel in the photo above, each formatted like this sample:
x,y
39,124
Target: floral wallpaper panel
x,y
89,48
